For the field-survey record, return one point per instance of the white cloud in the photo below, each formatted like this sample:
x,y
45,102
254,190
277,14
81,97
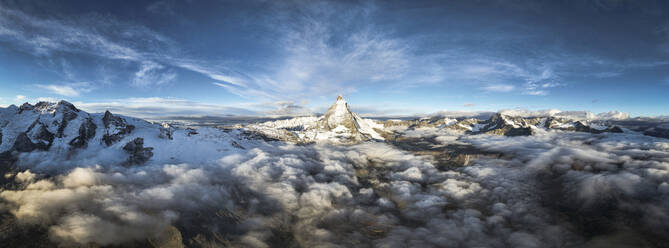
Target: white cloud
x,y
499,88
20,97
539,88
48,99
210,72
157,107
50,35
536,92
152,74
62,90
70,90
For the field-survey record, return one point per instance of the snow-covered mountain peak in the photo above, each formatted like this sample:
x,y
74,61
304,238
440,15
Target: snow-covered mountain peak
x,y
568,115
339,114
49,107
338,125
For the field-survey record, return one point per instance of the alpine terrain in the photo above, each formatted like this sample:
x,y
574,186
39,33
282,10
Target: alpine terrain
x,y
513,179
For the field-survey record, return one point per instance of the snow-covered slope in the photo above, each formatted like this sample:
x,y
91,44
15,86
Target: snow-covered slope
x,y
59,133
47,133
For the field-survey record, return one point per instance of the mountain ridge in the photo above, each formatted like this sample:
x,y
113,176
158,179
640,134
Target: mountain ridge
x,y
62,125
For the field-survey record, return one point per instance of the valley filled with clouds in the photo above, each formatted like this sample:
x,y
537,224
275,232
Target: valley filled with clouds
x,y
422,186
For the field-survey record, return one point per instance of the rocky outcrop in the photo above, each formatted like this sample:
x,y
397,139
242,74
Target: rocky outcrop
x,y
138,153
191,131
23,144
166,131
86,132
38,137
108,119
68,112
115,128
237,145
26,107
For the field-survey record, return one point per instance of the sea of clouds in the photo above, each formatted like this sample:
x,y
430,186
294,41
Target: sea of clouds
x,y
552,189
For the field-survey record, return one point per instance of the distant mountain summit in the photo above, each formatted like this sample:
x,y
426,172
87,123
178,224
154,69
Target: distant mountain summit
x,y
339,114
337,125
502,124
340,125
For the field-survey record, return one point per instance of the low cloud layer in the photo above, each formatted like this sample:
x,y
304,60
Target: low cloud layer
x,y
553,189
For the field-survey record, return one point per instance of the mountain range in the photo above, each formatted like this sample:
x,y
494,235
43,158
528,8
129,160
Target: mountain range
x,y
391,166
63,129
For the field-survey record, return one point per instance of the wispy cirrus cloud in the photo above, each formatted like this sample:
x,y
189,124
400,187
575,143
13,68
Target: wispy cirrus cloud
x,y
159,107
152,73
539,89
325,48
155,107
314,49
317,59
70,90
152,53
45,36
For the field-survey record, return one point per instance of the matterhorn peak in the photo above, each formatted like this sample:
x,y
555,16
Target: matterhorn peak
x,y
339,114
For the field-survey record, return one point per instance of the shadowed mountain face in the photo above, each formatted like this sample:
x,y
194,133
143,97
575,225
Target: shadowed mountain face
x,y
75,179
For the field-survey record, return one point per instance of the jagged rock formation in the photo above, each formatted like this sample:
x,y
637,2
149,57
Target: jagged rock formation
x,y
86,132
191,131
166,131
138,153
116,128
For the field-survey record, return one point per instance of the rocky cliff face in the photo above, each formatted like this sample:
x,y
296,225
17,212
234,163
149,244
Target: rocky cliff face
x,y
115,127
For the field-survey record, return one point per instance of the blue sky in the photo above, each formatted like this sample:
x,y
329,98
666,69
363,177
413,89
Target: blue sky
x,y
159,58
